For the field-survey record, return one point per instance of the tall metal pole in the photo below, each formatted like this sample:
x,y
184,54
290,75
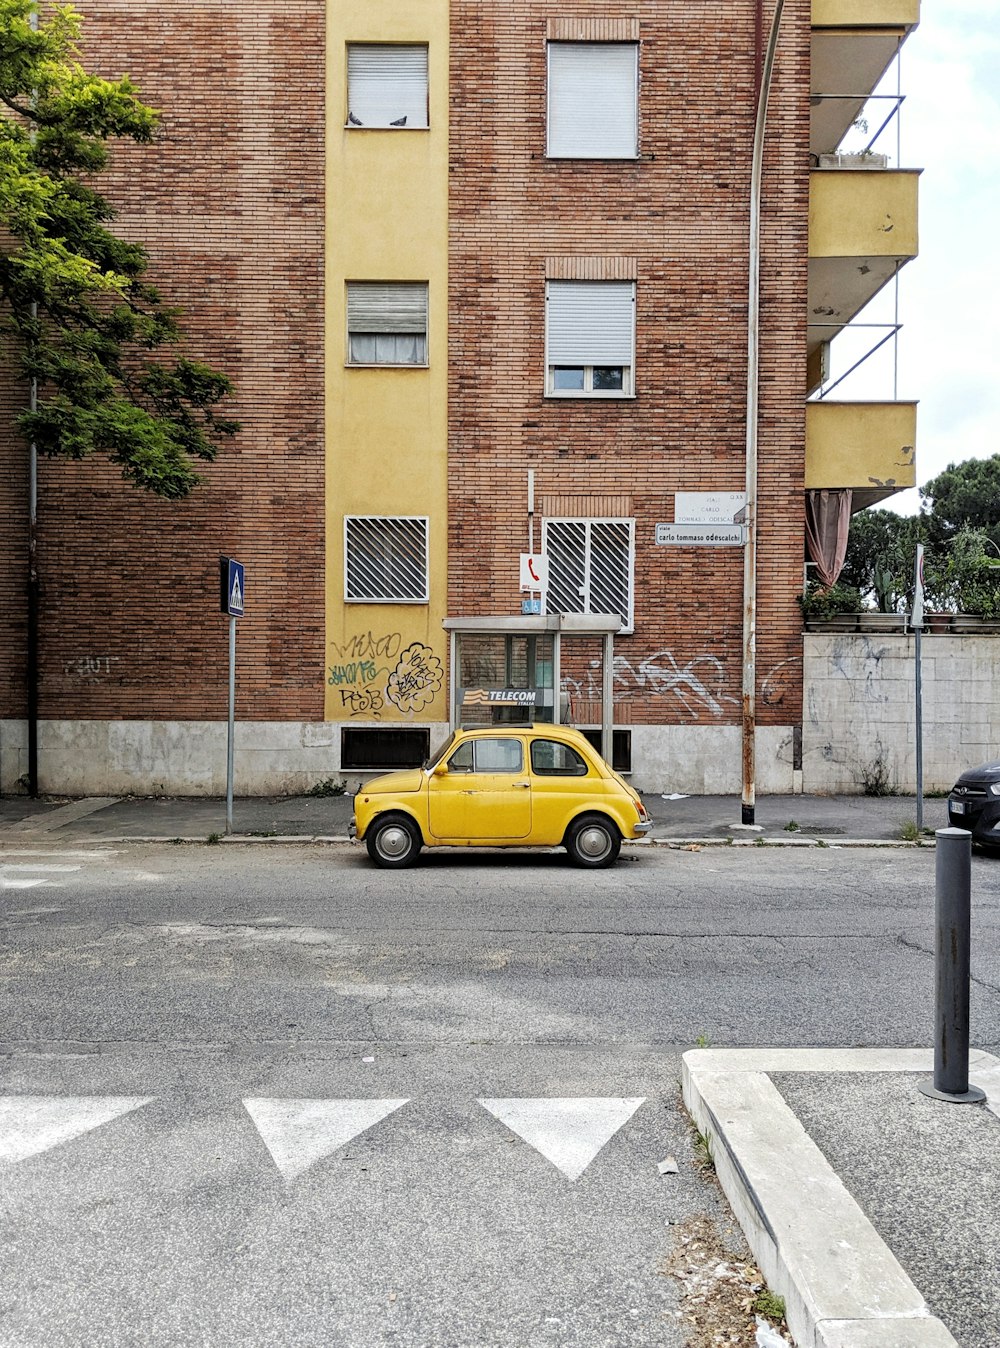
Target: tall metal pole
x,y
231,735
917,623
753,412
31,663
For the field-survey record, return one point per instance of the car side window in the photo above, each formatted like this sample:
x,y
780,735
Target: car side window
x,y
550,758
496,755
461,759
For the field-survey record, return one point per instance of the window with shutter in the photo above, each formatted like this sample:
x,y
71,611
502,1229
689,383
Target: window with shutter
x,y
387,323
589,338
387,86
591,567
385,559
593,100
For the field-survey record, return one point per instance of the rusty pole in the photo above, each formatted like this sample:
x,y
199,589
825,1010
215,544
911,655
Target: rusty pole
x,y
753,412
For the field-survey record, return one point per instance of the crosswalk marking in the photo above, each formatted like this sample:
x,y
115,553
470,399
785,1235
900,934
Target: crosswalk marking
x,y
298,1133
569,1132
30,1124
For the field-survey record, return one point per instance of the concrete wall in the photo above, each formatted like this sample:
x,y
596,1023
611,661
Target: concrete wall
x,y
859,709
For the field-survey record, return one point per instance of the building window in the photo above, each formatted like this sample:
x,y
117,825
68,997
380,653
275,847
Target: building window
x,y
387,323
593,100
589,338
385,559
369,750
591,567
387,86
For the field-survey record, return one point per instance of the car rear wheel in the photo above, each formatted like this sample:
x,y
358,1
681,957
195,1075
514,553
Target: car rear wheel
x,y
593,841
393,841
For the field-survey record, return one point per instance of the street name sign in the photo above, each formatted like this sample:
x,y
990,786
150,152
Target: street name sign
x,y
701,535
708,507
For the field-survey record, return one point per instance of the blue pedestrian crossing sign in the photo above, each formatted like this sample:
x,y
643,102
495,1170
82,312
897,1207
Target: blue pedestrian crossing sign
x,y
232,587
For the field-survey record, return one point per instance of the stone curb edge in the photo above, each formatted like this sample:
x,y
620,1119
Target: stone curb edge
x,y
822,1255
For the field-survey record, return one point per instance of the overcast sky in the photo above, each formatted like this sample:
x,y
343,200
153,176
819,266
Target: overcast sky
x,y
948,354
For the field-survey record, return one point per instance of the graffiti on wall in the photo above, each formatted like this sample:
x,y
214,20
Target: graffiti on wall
x,y
90,666
373,674
696,685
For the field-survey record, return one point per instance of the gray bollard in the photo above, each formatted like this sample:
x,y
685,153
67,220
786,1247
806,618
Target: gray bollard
x,y
953,908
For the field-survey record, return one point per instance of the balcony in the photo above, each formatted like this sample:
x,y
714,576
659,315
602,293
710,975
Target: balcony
x,y
862,229
853,44
869,447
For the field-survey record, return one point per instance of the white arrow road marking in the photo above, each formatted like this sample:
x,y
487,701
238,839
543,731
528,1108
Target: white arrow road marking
x,y
24,884
567,1132
298,1133
30,1124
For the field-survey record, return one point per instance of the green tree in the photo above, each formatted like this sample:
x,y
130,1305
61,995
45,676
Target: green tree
x,y
880,558
965,495
104,350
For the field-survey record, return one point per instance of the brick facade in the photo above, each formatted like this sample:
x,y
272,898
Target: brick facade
x,y
677,220
229,203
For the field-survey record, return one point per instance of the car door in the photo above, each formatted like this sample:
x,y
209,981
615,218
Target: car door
x,y
561,781
485,793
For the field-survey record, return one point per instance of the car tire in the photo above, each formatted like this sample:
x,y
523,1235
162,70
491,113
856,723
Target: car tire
x,y
593,842
393,841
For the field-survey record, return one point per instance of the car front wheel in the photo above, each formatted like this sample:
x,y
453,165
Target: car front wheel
x,y
593,842
393,842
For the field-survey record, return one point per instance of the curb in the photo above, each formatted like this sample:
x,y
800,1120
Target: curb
x,y
284,839
843,1287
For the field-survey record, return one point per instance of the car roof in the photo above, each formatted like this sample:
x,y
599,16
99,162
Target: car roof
x,y
565,732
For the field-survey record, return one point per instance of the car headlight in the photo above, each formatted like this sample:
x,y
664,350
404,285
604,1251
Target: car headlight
x,y
995,788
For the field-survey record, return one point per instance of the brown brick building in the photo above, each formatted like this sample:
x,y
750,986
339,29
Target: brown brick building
x,y
460,259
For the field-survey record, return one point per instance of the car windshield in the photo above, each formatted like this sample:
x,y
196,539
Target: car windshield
x,y
435,759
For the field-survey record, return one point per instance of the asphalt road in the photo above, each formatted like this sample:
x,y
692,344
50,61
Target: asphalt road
x,y
290,1053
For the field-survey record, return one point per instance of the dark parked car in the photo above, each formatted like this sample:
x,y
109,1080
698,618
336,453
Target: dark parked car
x,y
974,804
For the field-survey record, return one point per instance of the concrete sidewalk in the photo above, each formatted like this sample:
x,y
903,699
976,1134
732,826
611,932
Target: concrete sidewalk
x,y
784,820
873,1210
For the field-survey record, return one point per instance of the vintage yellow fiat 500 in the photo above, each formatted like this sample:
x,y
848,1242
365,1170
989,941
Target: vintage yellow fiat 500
x,y
502,786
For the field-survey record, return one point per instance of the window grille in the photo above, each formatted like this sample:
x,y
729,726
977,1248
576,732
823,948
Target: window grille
x,y
591,565
387,86
593,100
386,559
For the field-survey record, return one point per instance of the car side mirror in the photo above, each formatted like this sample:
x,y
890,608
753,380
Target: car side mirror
x,y
440,770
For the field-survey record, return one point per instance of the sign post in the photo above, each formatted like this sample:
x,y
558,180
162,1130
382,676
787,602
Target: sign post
x,y
917,623
231,577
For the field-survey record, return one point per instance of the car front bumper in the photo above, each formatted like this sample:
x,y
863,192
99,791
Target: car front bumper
x,y
979,817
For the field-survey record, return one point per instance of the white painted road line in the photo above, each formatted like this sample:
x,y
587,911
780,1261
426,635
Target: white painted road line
x,y
568,1132
843,1287
44,867
31,1124
65,852
298,1133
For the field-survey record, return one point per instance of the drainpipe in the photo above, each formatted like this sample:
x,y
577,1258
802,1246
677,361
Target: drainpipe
x,y
753,411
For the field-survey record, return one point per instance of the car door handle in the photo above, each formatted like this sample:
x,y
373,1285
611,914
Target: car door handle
x,y
523,784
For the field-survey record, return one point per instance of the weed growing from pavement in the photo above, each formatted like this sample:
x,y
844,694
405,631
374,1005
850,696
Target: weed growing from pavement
x,y
768,1304
909,831
821,843
214,839
791,826
329,786
703,1157
703,1041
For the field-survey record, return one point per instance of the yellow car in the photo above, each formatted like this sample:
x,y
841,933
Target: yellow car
x,y
502,786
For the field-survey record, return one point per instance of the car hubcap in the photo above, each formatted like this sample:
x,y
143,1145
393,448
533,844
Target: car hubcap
x,y
593,842
393,842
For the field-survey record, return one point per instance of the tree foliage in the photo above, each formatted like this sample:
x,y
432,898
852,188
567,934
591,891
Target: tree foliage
x,y
104,348
966,495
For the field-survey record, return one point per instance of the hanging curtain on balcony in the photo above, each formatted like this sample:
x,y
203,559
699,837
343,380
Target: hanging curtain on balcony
x,y
828,519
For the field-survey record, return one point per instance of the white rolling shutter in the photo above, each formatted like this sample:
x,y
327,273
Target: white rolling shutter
x,y
390,306
387,86
590,322
593,92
